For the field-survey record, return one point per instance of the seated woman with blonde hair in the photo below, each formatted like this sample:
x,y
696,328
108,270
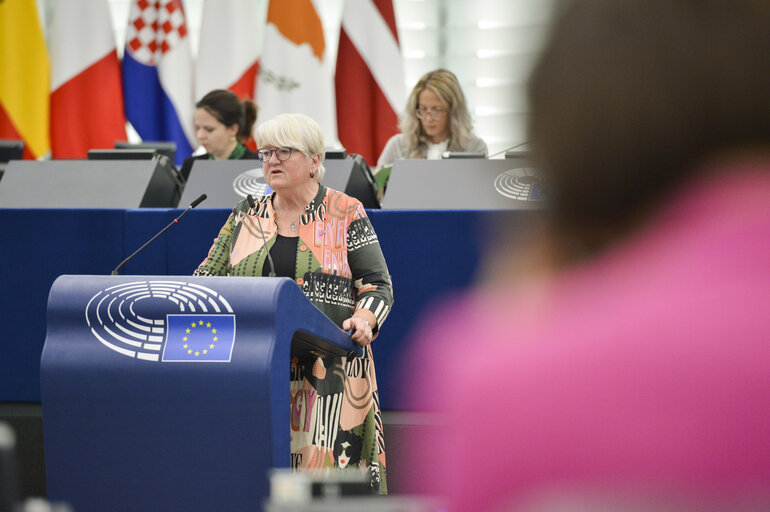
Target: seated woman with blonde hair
x,y
436,119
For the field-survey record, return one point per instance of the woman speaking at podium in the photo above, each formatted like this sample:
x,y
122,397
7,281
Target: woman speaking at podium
x,y
222,124
323,240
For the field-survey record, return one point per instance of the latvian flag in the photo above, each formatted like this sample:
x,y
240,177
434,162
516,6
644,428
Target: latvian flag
x,y
369,78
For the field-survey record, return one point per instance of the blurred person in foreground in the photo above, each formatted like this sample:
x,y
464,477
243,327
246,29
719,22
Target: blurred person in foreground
x,y
623,362
222,124
323,240
436,119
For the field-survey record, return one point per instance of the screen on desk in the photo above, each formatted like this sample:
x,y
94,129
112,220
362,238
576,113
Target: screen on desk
x,y
121,154
164,148
11,150
226,182
464,184
89,184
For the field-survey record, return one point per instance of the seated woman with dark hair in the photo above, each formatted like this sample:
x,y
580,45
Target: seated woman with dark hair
x,y
222,124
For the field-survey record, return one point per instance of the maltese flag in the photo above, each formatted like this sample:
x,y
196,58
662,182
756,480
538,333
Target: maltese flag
x,y
158,77
293,75
228,50
369,78
86,99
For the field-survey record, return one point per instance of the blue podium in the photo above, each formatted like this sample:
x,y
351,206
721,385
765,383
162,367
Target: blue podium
x,y
172,392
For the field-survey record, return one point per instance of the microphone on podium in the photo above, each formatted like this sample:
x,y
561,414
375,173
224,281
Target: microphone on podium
x,y
192,205
253,207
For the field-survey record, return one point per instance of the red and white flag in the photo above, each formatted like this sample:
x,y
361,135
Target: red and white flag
x,y
158,77
369,80
293,74
86,97
228,49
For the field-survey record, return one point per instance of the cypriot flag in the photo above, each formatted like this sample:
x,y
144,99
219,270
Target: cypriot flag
x,y
294,76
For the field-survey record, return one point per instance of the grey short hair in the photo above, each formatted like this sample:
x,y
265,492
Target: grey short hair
x,y
294,131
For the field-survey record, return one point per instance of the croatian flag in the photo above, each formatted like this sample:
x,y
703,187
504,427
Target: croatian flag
x,y
158,79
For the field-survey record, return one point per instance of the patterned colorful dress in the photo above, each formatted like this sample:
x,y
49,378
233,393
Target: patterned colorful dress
x,y
335,412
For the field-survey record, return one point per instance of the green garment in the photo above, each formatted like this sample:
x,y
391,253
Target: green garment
x,y
335,414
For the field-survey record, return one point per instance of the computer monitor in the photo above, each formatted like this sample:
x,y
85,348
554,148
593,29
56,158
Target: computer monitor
x,y
121,154
89,184
361,184
517,154
228,181
11,150
462,154
335,153
460,184
164,148
161,160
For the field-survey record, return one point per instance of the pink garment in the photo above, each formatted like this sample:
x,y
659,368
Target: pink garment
x,y
645,370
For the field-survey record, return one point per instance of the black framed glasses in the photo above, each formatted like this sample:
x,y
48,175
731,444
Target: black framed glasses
x,y
434,113
282,154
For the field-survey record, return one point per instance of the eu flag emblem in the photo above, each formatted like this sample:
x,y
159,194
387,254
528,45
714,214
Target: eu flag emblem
x,y
204,338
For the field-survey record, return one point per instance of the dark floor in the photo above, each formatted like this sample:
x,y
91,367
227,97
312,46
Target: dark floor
x,y
26,421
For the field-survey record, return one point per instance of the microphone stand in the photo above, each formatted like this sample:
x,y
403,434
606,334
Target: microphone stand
x,y
192,205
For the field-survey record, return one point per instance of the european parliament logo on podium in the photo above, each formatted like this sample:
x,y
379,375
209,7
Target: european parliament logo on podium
x,y
163,321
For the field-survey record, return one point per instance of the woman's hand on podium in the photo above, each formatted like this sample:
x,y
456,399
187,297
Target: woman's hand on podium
x,y
361,325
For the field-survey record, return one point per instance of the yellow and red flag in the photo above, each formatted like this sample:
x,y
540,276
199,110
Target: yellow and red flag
x,y
24,77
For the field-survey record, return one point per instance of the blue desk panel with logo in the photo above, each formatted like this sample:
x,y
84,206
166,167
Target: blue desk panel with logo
x,y
171,393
